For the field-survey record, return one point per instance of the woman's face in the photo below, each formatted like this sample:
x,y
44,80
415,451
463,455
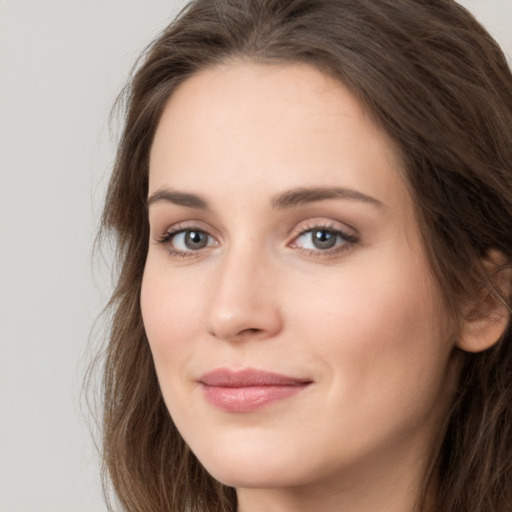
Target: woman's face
x,y
295,325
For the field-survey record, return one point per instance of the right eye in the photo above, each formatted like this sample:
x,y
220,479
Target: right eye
x,y
183,242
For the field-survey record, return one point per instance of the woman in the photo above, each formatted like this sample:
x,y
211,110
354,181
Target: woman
x,y
313,207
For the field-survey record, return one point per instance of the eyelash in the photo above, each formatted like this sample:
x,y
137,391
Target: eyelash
x,y
166,238
348,240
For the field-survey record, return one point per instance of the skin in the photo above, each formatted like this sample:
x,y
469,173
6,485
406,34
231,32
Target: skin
x,y
362,321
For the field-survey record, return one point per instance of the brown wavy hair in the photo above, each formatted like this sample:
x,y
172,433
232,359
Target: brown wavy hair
x,y
440,86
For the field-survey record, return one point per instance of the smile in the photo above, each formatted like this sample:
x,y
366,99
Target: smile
x,y
248,390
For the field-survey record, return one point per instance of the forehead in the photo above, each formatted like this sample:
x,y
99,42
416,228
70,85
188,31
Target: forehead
x,y
244,124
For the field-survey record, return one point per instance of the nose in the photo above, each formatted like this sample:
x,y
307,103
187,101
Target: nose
x,y
244,302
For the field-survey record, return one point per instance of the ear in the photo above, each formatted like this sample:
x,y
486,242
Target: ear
x,y
487,319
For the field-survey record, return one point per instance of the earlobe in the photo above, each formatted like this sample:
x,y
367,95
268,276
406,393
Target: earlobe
x,y
487,319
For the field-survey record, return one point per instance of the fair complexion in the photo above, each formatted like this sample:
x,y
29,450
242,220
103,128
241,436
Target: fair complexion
x,y
284,240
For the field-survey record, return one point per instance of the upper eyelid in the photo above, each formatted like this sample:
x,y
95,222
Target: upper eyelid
x,y
327,224
187,225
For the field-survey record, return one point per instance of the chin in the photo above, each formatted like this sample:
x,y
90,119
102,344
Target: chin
x,y
255,465
249,474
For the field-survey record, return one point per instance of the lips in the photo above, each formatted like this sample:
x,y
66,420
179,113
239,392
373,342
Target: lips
x,y
248,390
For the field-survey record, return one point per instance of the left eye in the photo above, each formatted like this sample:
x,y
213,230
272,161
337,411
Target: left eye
x,y
191,240
320,239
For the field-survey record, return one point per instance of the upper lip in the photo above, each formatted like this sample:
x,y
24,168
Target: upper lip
x,y
224,377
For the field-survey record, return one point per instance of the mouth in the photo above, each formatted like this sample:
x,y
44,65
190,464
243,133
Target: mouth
x,y
248,390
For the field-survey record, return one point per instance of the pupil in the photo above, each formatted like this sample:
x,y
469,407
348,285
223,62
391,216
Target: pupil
x,y
324,239
195,240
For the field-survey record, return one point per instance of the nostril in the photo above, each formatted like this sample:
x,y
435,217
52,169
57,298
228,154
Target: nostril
x,y
250,331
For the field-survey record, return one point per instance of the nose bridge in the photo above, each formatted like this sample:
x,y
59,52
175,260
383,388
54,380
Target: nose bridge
x,y
243,301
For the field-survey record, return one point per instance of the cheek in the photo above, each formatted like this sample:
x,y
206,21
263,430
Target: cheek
x,y
378,330
372,308
170,310
381,353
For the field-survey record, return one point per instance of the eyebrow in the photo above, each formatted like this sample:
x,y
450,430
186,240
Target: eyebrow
x,y
299,196
288,199
178,198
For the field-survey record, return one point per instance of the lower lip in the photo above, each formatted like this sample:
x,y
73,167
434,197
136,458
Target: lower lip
x,y
248,399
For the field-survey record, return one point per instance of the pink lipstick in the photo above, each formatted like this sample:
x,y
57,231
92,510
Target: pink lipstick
x,y
248,390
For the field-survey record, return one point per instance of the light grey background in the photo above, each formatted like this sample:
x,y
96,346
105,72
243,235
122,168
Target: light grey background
x,y
62,63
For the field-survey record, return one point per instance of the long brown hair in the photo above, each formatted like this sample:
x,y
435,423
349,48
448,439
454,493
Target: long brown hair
x,y
439,85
